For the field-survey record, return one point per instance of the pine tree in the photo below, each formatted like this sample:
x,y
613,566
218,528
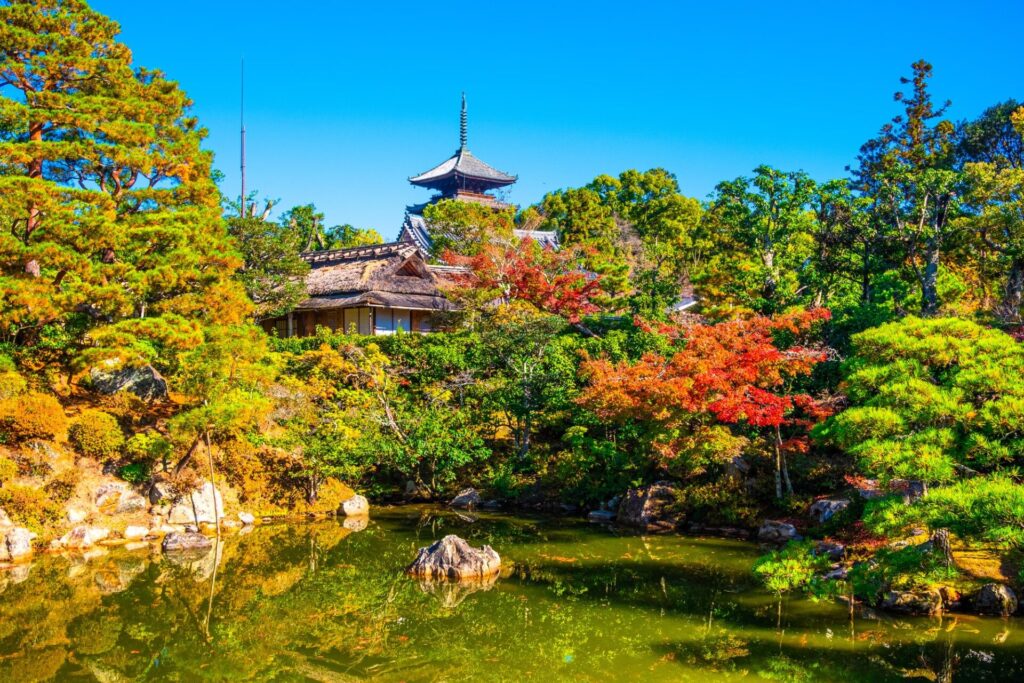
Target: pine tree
x,y
111,220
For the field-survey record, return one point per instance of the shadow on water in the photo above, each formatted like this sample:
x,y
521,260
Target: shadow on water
x,y
579,602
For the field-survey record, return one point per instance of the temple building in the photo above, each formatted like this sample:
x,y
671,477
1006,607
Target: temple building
x,y
382,288
462,177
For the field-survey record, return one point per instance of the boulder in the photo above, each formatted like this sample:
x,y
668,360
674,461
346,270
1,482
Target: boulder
x,y
414,492
650,507
868,489
108,496
910,602
184,541
198,507
143,381
825,509
995,598
736,470
356,506
131,502
15,543
833,551
84,537
246,518
5,521
134,533
453,558
76,515
777,532
161,490
601,516
467,499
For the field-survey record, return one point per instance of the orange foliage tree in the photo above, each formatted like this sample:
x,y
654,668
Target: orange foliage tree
x,y
734,373
553,281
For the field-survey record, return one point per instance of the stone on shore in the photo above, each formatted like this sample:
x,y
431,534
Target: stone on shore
x,y
467,499
777,532
650,507
246,518
134,533
995,599
15,543
453,558
198,507
825,509
5,521
84,537
910,602
601,516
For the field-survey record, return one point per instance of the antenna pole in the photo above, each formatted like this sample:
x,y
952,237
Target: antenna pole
x,y
242,120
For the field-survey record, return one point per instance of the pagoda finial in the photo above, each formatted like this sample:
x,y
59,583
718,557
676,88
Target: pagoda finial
x,y
462,124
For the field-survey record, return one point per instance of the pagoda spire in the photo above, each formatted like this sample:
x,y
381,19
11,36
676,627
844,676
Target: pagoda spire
x,y
462,124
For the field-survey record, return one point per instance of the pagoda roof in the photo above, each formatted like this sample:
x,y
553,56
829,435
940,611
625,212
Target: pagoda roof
x,y
461,165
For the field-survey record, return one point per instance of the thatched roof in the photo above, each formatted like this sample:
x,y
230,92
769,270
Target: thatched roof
x,y
393,275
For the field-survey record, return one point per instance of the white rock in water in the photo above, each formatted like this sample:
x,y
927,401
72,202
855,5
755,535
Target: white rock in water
x,y
356,506
246,518
453,558
134,533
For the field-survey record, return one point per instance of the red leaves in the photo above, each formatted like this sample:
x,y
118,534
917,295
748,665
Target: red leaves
x,y
550,280
732,372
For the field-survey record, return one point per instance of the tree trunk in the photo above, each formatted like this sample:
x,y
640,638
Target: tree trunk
x,y
929,283
1013,292
213,483
778,470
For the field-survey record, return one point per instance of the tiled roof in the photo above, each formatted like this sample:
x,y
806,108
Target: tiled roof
x,y
463,164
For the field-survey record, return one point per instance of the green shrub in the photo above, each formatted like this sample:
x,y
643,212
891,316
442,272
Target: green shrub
x,y
32,416
793,567
908,568
136,473
987,508
97,434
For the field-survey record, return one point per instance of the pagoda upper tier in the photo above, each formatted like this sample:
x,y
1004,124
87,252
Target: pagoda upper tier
x,y
462,174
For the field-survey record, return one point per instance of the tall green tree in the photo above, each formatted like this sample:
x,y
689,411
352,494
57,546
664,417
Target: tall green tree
x,y
908,173
767,217
272,270
112,222
310,231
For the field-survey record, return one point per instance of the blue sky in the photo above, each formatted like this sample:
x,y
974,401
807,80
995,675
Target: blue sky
x,y
346,100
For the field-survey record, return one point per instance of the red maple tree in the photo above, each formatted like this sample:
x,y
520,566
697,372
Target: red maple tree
x,y
734,372
551,280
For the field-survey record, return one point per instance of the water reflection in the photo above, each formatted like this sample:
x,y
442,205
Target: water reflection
x,y
329,601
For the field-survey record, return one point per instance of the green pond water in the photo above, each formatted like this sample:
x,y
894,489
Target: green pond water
x,y
577,602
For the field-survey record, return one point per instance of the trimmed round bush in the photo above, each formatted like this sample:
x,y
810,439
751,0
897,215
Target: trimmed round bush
x,y
32,416
11,384
97,434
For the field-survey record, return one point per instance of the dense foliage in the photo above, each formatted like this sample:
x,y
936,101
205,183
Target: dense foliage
x,y
757,348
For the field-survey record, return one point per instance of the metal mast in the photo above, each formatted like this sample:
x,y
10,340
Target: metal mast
x,y
241,99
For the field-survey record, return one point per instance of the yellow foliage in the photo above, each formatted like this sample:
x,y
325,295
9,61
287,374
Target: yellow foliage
x,y
30,506
11,384
97,434
8,469
32,416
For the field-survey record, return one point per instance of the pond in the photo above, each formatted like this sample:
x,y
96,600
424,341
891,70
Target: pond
x,y
577,602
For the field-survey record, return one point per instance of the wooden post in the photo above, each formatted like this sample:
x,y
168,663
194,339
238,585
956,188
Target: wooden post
x,y
291,325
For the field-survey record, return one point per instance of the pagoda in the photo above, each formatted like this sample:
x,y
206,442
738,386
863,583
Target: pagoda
x,y
462,177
